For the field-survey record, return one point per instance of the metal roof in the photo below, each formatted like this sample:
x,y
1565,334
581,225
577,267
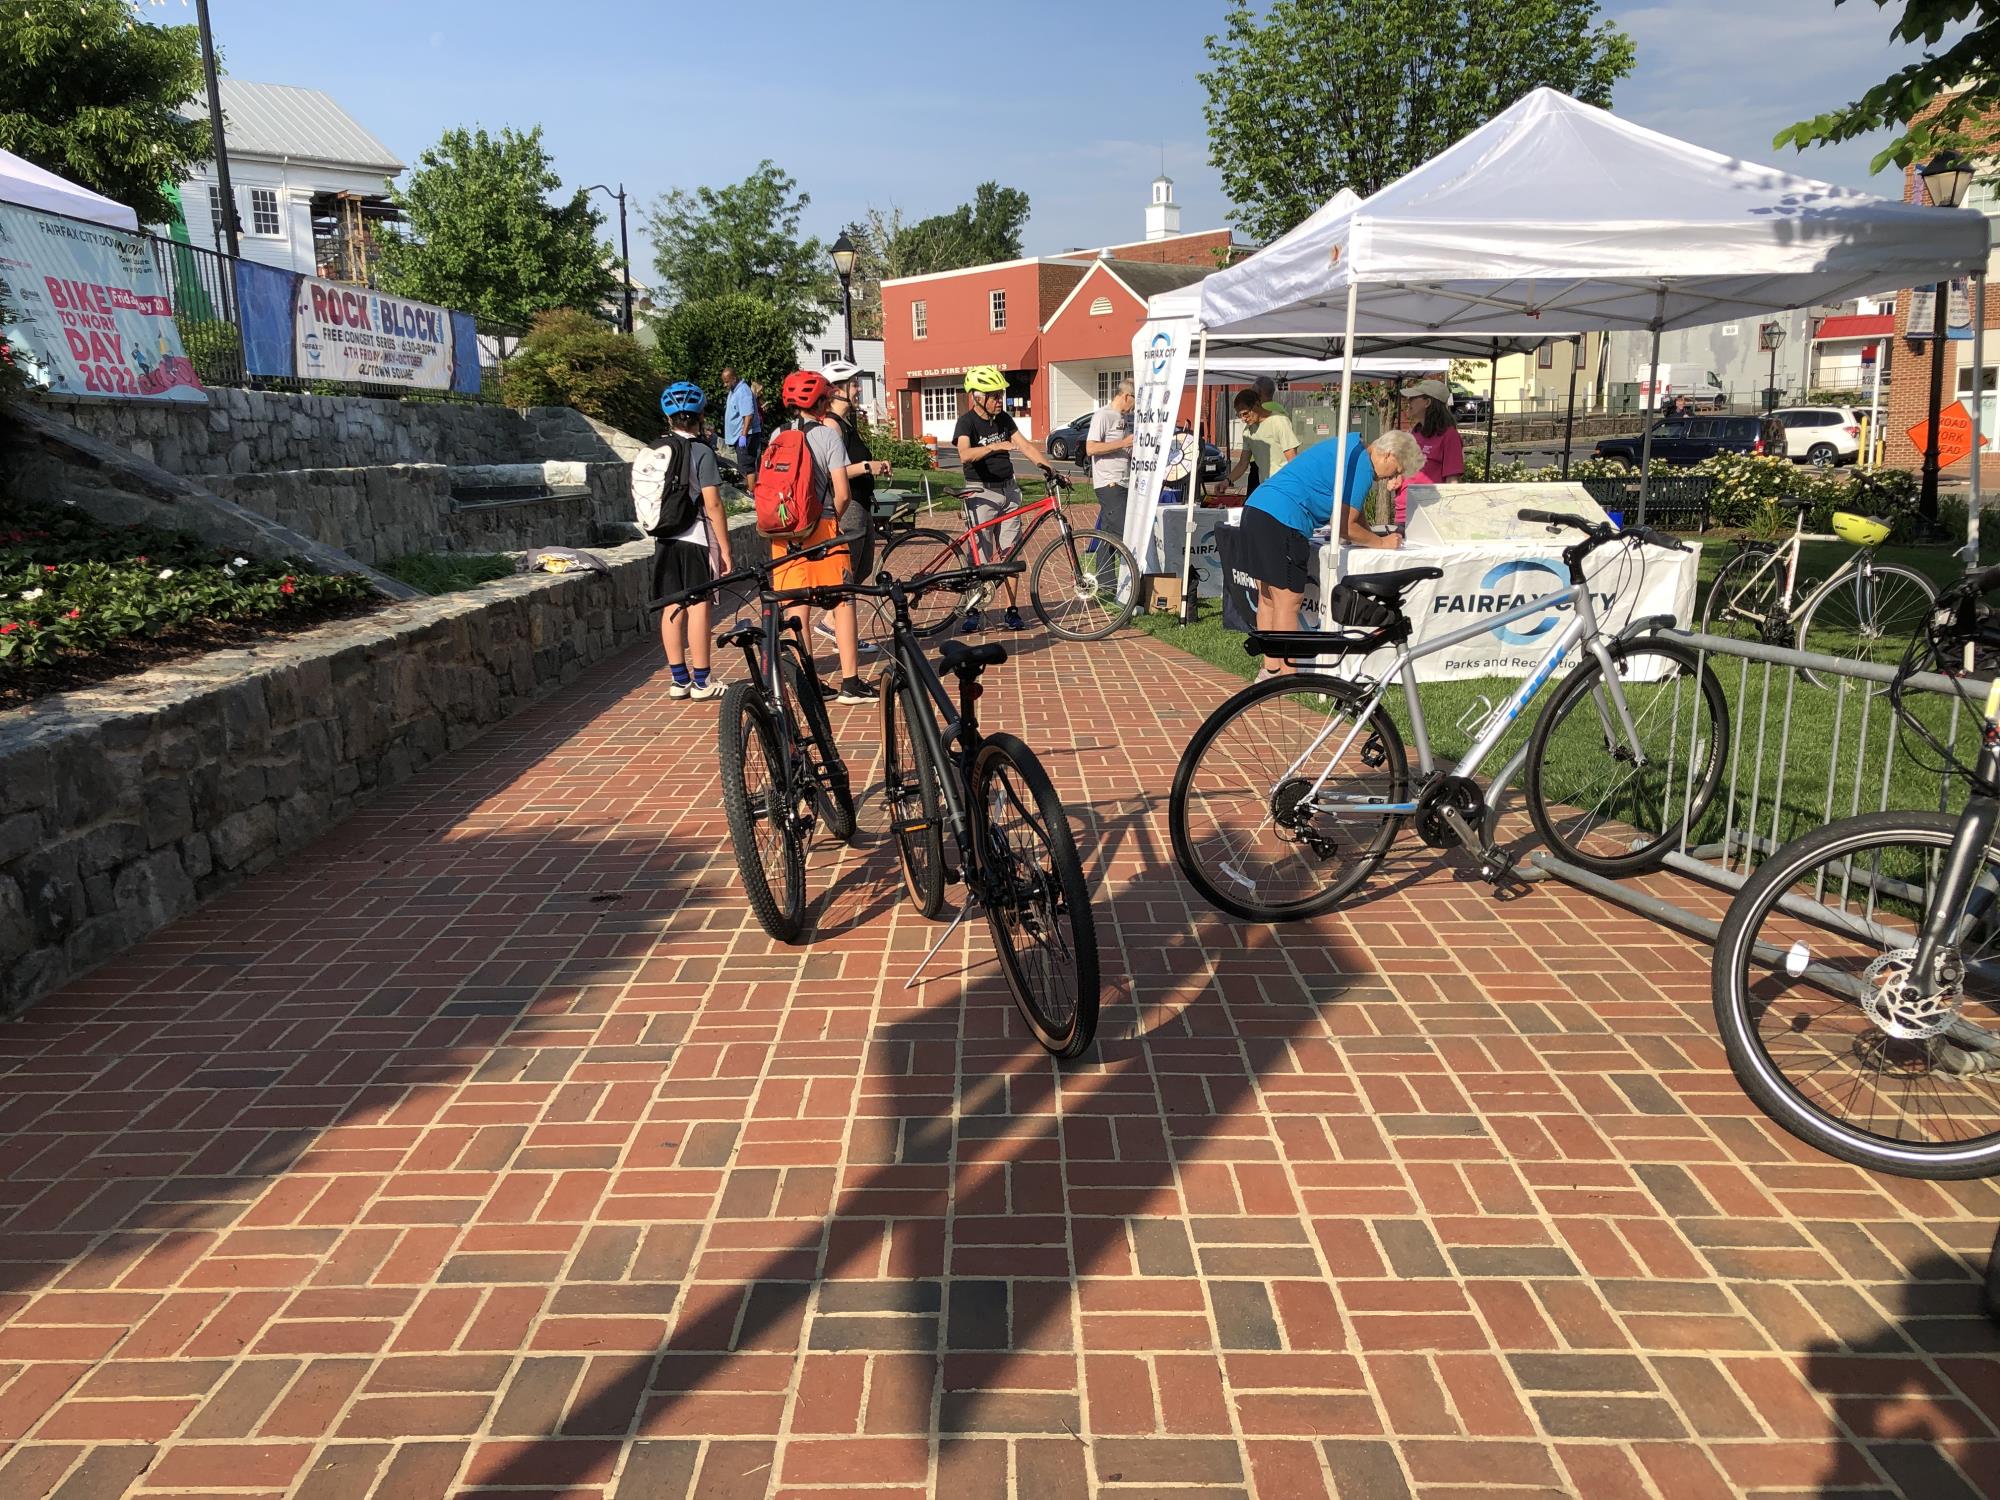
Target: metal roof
x,y
277,119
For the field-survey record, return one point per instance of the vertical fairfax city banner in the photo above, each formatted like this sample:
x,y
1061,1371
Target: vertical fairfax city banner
x,y
358,334
1160,365
91,315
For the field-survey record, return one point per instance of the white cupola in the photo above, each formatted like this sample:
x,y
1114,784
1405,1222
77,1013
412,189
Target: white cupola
x,y
1163,215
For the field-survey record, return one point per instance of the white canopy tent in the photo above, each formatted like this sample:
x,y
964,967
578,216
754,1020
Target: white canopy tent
x,y
1559,215
31,186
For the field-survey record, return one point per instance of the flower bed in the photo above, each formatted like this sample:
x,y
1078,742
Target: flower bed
x,y
81,601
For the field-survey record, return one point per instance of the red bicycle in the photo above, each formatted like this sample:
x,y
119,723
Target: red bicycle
x,y
1083,585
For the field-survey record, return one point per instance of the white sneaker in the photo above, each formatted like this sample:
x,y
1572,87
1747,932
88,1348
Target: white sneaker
x,y
709,689
678,689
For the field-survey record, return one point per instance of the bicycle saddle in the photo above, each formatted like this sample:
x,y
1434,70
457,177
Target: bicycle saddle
x,y
743,633
959,657
1390,587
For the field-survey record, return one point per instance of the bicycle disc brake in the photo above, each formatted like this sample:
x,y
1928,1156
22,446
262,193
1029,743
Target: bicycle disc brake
x,y
1897,1004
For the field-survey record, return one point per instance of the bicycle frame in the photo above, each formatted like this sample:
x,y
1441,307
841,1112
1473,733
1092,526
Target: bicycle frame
x,y
1045,507
960,730
1582,627
1941,933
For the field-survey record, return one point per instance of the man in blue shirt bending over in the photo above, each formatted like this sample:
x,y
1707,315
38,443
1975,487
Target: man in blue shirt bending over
x,y
1282,513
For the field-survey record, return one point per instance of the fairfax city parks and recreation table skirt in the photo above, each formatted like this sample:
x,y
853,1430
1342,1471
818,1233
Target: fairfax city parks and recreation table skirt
x,y
1480,579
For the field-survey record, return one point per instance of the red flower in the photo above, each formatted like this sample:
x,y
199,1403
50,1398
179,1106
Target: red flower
x,y
74,614
48,567
142,557
286,586
9,628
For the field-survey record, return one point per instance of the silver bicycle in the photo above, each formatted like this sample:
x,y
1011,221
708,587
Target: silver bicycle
x,y
1293,790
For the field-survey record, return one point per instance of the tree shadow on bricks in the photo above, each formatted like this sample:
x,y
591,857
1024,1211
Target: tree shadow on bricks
x,y
1916,1403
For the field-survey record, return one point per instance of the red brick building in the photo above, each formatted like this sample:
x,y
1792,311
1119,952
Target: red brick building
x,y
1061,326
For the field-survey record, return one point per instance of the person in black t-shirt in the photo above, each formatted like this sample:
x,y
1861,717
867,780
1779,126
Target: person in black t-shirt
x,y
987,441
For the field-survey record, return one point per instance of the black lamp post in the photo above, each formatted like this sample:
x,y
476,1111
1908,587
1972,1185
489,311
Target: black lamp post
x,y
1946,177
1769,337
843,266
229,221
624,245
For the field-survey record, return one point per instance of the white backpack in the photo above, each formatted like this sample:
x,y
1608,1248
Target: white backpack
x,y
660,492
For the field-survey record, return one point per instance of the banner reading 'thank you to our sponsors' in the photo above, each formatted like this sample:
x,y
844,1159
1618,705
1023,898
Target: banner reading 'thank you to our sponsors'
x,y
358,334
1159,365
91,316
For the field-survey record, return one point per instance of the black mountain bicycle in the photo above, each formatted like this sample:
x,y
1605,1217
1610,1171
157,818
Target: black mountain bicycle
x,y
1007,825
781,769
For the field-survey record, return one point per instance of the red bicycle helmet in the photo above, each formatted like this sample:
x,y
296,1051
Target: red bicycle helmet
x,y
805,389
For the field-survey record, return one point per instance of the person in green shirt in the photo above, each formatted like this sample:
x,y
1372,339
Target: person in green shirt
x,y
1268,439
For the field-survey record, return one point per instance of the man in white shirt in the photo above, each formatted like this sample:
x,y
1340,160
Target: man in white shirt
x,y
1108,444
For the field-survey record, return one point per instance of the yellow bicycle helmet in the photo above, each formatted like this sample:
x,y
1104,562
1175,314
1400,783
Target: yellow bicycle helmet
x,y
987,379
1860,531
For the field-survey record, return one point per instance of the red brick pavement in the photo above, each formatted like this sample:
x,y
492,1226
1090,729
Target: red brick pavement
x,y
487,1147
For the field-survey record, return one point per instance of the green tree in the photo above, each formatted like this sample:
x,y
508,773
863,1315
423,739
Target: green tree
x,y
485,238
978,233
1315,95
94,95
746,333
1957,90
743,240
570,358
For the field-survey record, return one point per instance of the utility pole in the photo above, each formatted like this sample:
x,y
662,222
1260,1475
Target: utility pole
x,y
230,227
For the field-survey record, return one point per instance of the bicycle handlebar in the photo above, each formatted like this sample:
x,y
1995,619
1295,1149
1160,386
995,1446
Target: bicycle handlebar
x,y
1599,533
756,570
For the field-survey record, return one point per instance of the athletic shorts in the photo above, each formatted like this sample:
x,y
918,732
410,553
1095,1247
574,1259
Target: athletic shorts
x,y
828,570
1273,552
678,566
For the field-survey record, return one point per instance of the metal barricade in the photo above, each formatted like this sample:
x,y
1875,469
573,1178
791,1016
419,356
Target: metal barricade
x,y
1802,753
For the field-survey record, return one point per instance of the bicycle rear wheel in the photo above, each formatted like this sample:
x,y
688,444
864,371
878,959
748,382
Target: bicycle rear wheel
x,y
832,792
1743,603
1868,615
919,552
1595,802
1246,829
911,796
1085,586
1808,984
770,848
1037,903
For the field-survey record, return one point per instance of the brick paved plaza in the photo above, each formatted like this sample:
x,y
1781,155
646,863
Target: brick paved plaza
x,y
489,1147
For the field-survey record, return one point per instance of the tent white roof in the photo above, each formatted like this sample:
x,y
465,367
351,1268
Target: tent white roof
x,y
31,186
1560,216
1226,366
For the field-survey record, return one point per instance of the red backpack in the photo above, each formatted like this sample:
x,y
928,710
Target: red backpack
x,y
787,487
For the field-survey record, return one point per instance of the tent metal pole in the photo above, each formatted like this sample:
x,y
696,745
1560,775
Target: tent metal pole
x,y
1978,412
1193,490
1569,408
1492,404
1652,398
1346,400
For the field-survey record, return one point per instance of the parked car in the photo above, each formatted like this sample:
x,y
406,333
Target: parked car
x,y
1821,435
1468,405
1066,443
1688,440
1701,387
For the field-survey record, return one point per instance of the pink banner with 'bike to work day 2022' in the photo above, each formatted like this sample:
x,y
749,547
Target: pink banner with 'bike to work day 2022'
x,y
90,313
359,334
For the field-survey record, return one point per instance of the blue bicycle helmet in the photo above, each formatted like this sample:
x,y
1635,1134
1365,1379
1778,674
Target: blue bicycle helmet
x,y
682,398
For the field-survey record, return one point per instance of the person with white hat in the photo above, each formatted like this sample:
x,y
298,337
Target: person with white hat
x,y
1427,414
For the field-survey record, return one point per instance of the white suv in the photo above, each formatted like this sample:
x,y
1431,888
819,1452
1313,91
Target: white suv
x,y
1821,435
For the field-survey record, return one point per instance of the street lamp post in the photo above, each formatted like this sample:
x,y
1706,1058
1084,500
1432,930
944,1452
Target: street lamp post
x,y
229,223
1769,337
843,267
1946,176
624,245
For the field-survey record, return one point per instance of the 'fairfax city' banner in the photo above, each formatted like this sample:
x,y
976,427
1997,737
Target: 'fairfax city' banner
x,y
91,316
1160,365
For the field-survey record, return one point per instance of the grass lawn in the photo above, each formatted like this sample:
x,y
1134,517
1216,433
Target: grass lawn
x,y
447,572
1792,790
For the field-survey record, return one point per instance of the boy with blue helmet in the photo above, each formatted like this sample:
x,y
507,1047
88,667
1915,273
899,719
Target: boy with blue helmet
x,y
688,556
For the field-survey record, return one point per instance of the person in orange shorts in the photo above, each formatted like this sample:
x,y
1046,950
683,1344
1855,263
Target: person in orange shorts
x,y
807,396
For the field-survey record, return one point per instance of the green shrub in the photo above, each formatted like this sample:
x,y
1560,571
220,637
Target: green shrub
x,y
902,453
1829,397
214,348
703,336
1504,471
569,358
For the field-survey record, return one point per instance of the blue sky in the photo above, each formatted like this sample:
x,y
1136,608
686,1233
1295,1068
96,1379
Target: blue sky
x,y
1073,103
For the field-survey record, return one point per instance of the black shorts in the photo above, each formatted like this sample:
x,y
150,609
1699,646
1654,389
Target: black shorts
x,y
678,566
1273,552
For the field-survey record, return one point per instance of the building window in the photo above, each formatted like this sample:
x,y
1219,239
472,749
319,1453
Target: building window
x,y
264,212
1545,357
997,310
1101,308
215,214
828,356
920,323
1108,382
940,402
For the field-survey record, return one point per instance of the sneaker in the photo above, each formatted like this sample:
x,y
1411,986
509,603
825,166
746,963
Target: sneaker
x,y
827,689
706,691
1014,620
854,690
679,689
824,628
973,625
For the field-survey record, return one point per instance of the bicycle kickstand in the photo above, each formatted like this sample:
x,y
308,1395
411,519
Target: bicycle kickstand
x,y
944,937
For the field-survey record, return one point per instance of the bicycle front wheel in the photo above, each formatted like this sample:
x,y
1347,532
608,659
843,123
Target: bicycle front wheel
x,y
1743,601
832,792
917,553
1816,1013
1605,801
911,796
763,826
1085,585
1868,615
1037,903
1269,812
